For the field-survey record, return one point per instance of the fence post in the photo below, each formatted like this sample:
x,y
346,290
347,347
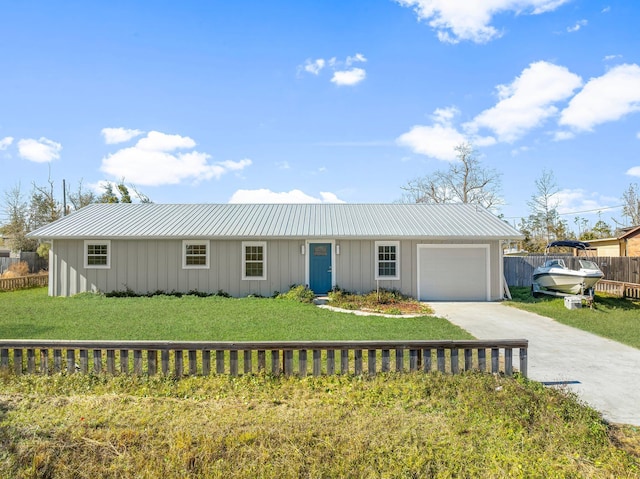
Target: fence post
x,y
17,361
523,361
317,362
97,361
71,361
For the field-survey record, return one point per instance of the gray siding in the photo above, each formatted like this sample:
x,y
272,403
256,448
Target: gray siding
x,y
152,265
356,266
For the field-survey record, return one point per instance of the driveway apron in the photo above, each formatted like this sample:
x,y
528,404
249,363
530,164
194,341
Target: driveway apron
x,y
603,373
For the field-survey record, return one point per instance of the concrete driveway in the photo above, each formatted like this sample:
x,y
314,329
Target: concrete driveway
x,y
605,374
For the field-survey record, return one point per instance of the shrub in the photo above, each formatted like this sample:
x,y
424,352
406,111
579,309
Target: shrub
x,y
20,268
299,293
381,301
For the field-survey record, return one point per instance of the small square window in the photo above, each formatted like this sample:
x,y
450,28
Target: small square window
x,y
254,255
97,254
195,254
387,265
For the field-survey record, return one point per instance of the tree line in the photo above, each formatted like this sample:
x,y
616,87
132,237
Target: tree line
x,y
467,180
26,213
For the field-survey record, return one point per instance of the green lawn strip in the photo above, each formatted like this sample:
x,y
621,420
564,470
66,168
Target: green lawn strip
x,y
613,318
31,314
409,425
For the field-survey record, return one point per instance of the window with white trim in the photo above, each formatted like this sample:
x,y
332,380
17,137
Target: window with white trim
x,y
97,254
387,260
254,260
195,254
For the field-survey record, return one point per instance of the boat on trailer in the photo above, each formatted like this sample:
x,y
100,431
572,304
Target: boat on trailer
x,y
556,278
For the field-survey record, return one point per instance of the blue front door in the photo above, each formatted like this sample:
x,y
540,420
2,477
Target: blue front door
x,y
320,267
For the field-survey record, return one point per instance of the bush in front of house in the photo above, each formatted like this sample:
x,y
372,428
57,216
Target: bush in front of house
x,y
299,293
388,301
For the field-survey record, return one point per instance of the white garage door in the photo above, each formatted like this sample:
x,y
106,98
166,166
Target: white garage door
x,y
453,272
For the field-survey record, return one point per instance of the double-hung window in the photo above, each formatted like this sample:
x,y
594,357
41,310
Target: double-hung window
x,y
254,260
387,260
97,254
195,254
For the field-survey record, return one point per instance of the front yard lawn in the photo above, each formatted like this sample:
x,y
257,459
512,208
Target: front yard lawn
x,y
613,318
31,314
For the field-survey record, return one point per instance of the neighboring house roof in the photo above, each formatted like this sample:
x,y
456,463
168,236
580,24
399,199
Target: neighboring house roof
x,y
112,221
626,233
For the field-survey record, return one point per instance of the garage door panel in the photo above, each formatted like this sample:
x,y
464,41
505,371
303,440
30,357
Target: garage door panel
x,y
453,273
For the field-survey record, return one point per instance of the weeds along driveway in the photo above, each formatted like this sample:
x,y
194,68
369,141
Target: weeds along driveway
x,y
603,373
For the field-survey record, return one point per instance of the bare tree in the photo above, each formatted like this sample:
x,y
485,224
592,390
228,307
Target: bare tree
x,y
631,204
81,197
43,206
16,225
466,181
544,223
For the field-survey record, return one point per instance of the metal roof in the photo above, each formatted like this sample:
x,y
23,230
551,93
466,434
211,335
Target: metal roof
x,y
249,221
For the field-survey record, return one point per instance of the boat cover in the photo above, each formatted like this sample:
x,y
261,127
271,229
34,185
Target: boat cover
x,y
569,244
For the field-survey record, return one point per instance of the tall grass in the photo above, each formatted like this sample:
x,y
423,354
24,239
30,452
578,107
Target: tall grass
x,y
410,425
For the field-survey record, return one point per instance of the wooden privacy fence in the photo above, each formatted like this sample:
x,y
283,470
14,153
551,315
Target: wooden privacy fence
x,y
10,284
205,358
518,270
36,263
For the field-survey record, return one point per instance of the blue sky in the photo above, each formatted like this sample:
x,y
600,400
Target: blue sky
x,y
307,101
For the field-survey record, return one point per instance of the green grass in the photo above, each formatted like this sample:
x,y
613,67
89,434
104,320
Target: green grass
x,y
410,425
31,314
390,425
613,318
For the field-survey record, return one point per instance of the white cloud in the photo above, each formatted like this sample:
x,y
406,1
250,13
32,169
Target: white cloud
x,y
358,57
456,20
609,58
348,77
157,141
634,171
440,139
235,165
283,165
293,196
343,73
39,151
313,66
153,161
580,201
579,24
528,101
5,142
563,135
606,98
437,141
119,135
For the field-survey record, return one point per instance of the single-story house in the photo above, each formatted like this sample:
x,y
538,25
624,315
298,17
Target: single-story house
x,y
430,252
627,243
